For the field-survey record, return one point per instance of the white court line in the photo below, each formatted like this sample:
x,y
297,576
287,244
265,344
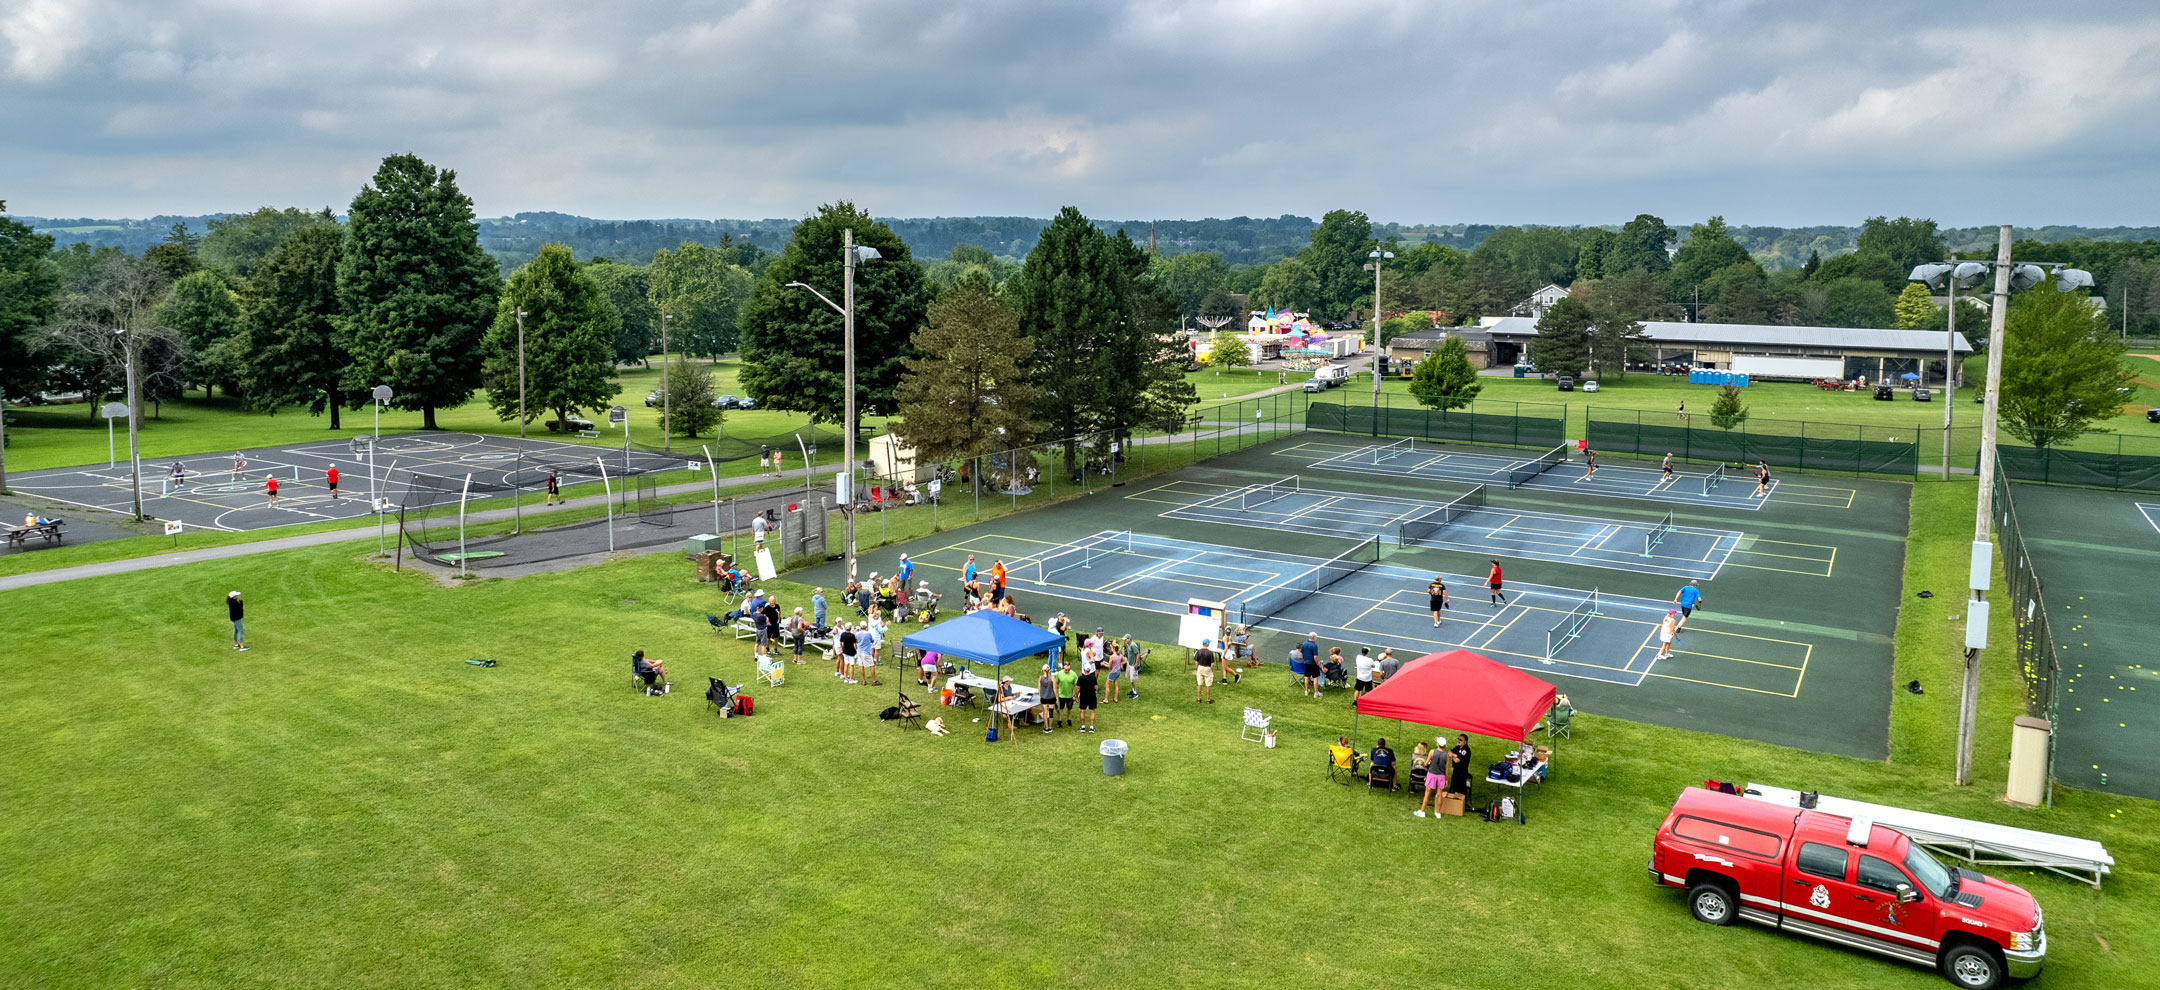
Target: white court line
x,y
2151,512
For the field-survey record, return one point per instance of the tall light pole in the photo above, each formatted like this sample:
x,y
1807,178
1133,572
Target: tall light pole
x,y
1377,257
667,409
2007,277
134,402
521,374
1949,276
850,255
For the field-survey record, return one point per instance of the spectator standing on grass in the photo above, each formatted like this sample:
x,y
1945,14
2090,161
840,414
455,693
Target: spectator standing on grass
x,y
798,630
817,607
1308,684
1310,650
1433,779
845,667
967,571
771,620
1064,627
1388,664
1204,674
1114,668
764,461
234,610
1688,597
1046,692
1068,682
1492,580
1089,680
1366,668
1132,665
778,457
1459,766
1682,411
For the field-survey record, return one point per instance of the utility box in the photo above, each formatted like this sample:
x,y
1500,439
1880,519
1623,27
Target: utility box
x,y
2029,741
702,542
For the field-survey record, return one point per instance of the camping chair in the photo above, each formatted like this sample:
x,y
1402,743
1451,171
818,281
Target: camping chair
x,y
1256,726
1563,717
1380,777
714,621
1340,772
720,696
772,670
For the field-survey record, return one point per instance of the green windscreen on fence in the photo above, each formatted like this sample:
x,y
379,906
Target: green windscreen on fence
x,y
1799,445
2047,465
1514,427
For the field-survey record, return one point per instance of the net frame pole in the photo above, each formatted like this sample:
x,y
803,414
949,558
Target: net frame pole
x,y
607,498
463,494
715,469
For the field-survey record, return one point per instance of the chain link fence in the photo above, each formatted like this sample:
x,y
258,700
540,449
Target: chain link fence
x,y
2039,659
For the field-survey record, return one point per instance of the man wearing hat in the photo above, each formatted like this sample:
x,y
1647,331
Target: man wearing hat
x,y
1204,673
232,608
906,571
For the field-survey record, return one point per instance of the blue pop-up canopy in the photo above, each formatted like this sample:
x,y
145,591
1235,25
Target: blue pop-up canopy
x,y
985,637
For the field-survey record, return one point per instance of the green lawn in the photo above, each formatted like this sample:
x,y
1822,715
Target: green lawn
x,y
350,803
67,435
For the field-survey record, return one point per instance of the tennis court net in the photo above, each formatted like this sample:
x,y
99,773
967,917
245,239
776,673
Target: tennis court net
x,y
1390,451
1711,481
1259,495
1657,535
1425,531
1256,607
1520,474
1570,627
1081,554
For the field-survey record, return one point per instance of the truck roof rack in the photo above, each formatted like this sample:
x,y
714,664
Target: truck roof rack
x,y
1857,834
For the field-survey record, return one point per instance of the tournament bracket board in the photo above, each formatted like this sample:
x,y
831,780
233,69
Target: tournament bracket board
x,y
1203,621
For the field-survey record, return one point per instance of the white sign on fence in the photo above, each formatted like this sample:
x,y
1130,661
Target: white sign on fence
x,y
172,527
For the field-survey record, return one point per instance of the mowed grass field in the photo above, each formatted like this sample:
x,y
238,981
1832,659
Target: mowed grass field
x,y
350,803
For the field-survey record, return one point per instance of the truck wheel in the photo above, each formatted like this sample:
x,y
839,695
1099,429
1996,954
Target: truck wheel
x,y
1711,904
1972,967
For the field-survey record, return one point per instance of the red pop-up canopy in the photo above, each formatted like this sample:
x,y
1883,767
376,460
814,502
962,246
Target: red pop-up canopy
x,y
1461,690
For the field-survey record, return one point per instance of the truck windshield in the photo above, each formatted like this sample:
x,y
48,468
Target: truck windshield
x,y
1930,873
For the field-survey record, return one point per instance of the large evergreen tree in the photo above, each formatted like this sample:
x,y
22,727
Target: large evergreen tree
x,y
29,294
569,339
792,342
1562,344
416,291
239,243
1641,243
294,351
967,392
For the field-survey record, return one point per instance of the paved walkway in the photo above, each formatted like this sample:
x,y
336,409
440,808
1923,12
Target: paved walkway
x,y
357,534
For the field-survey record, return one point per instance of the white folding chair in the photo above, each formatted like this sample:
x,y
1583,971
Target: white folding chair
x,y
1256,726
771,670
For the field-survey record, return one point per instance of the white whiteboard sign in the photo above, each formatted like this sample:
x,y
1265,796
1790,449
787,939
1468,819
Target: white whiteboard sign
x,y
1194,628
765,571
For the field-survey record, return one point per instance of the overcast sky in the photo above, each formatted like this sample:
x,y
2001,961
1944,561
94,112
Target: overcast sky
x,y
1821,111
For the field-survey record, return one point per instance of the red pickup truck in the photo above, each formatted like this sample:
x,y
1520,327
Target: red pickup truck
x,y
1846,881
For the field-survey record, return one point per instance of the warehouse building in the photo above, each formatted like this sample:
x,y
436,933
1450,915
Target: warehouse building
x,y
1776,352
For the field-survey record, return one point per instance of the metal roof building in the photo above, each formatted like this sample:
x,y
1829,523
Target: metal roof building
x,y
1877,354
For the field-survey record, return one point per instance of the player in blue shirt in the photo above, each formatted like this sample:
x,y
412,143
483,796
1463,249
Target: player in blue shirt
x,y
1687,599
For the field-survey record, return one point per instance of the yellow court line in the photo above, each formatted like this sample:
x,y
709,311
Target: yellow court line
x,y
1775,694
1778,570
1804,659
1783,556
1489,640
1713,656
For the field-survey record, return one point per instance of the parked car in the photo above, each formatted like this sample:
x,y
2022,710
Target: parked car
x,y
575,424
1590,386
652,398
1883,393
1922,395
728,402
1567,383
1315,385
1848,881
2152,415
746,403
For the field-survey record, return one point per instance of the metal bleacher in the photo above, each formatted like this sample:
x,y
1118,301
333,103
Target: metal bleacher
x,y
1978,843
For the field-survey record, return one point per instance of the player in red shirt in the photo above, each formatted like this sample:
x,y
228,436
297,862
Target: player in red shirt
x,y
1493,580
331,477
270,487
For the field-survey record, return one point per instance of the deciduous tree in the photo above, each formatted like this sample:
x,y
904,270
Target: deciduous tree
x,y
569,340
29,295
2061,367
627,288
238,244
701,291
1337,258
1227,350
1290,284
416,292
206,311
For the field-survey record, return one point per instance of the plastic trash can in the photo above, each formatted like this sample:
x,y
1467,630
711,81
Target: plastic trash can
x,y
1113,757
